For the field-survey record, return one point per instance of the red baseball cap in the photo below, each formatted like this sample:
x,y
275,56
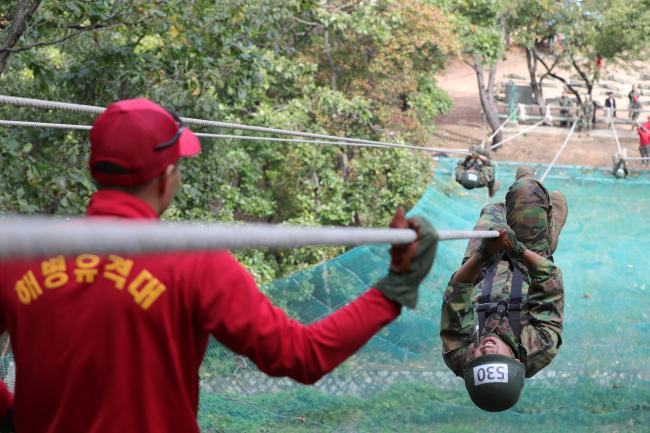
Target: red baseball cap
x,y
135,140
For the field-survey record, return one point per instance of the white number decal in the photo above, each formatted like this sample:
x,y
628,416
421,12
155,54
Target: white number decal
x,y
472,176
490,373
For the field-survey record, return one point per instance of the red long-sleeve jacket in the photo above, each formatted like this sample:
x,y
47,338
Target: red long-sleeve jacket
x,y
113,343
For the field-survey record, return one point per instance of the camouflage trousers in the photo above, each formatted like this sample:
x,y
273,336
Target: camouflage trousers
x,y
485,174
527,211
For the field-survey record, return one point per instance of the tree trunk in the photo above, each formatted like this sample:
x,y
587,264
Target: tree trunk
x,y
486,95
330,59
535,85
23,13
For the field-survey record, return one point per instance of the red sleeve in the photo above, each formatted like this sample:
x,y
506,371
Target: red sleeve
x,y
6,399
242,318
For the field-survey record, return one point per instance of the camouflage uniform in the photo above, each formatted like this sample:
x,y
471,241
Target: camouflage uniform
x,y
484,170
565,110
527,211
619,162
587,115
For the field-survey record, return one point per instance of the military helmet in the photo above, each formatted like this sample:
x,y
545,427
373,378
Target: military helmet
x,y
470,179
620,173
494,382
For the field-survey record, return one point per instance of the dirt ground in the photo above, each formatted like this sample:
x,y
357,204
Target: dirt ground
x,y
463,126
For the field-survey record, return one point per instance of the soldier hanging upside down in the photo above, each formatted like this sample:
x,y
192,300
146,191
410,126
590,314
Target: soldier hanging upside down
x,y
502,312
477,171
619,169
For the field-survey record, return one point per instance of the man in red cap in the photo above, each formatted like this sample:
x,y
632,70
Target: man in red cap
x,y
113,343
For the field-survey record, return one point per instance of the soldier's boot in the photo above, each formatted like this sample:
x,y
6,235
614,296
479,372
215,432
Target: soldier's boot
x,y
524,171
559,213
493,188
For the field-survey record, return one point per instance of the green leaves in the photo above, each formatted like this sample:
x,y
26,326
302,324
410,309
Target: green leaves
x,y
255,62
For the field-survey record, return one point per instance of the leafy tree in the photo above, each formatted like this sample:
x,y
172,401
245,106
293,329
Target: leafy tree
x,y
255,62
533,25
481,26
589,33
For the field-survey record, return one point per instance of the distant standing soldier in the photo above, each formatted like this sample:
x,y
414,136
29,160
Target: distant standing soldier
x,y
477,171
565,109
587,114
633,98
635,110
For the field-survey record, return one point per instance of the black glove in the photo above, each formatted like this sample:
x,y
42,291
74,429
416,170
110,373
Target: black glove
x,y
410,263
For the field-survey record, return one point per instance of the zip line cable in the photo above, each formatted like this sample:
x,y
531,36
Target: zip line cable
x,y
22,123
39,103
491,136
618,143
523,131
636,158
337,143
34,236
557,155
43,125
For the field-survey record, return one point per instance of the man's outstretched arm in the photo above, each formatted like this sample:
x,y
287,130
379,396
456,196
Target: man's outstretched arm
x,y
243,318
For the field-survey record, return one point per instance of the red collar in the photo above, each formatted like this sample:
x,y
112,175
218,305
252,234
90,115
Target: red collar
x,y
113,203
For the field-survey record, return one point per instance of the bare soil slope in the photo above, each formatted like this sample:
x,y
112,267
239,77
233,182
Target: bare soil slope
x,y
462,126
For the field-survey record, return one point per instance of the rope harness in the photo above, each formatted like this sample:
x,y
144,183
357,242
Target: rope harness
x,y
487,308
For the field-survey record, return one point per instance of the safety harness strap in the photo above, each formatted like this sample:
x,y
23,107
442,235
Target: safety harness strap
x,y
483,306
511,308
514,303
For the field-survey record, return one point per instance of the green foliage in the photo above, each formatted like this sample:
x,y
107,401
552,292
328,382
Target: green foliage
x,y
477,23
254,62
430,101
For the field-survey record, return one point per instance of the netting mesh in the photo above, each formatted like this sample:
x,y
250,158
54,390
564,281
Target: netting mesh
x,y
599,382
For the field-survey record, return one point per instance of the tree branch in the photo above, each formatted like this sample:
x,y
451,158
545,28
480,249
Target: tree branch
x,y
24,12
64,38
307,23
583,75
471,65
549,72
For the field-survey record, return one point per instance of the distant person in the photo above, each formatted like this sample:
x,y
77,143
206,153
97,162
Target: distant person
x,y
477,170
634,94
644,143
586,114
610,108
502,311
565,104
619,169
635,110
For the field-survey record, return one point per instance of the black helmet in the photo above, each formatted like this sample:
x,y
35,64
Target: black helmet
x,y
494,382
470,179
620,172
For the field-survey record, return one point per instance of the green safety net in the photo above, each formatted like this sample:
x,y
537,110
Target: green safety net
x,y
599,382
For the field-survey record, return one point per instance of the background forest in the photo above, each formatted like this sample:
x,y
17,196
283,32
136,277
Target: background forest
x,y
360,69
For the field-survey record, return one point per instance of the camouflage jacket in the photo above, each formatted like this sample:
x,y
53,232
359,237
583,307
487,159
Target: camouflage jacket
x,y
541,317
